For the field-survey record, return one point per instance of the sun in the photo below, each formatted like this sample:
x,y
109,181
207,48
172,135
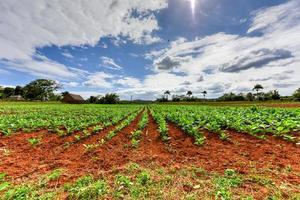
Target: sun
x,y
193,6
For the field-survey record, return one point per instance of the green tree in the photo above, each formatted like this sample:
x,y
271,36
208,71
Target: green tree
x,y
189,93
204,93
65,93
40,89
275,95
249,96
18,90
1,92
296,94
257,88
92,99
110,98
167,93
8,91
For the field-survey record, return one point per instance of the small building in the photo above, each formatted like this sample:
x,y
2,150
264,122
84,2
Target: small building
x,y
72,98
16,98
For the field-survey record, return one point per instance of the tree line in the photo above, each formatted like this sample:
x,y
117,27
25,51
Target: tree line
x,y
257,95
44,90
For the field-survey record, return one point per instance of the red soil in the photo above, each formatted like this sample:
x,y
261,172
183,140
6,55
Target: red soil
x,y
282,105
242,153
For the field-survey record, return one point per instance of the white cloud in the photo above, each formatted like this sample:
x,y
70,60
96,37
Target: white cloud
x,y
45,68
129,82
67,55
109,63
70,84
276,18
255,56
26,25
99,80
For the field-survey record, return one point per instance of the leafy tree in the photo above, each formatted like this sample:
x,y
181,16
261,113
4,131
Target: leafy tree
x,y
110,98
249,96
55,97
204,93
93,99
257,88
18,90
1,91
162,99
167,93
65,93
40,89
275,95
8,91
296,94
189,93
232,97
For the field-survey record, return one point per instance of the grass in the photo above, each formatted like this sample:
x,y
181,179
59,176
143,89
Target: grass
x,y
155,182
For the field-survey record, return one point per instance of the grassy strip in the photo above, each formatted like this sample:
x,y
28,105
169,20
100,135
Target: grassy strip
x,y
136,182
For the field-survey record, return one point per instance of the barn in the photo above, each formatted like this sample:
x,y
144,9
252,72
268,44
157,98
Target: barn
x,y
16,98
72,98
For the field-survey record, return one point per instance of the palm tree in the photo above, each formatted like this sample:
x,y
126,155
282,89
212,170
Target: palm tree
x,y
167,93
258,87
189,93
204,93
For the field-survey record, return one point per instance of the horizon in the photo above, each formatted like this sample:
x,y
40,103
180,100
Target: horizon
x,y
141,49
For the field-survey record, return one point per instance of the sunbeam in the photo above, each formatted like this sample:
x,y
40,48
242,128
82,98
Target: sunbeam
x,y
193,6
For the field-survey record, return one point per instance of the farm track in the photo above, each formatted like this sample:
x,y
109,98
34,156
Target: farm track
x,y
242,153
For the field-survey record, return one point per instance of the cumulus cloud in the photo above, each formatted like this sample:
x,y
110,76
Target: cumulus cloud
x,y
99,80
167,63
27,25
269,51
104,80
274,50
257,59
129,82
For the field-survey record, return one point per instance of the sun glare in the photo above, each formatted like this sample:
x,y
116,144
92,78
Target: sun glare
x,y
193,6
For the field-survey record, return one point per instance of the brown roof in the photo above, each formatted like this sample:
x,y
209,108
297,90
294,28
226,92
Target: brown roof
x,y
76,97
72,98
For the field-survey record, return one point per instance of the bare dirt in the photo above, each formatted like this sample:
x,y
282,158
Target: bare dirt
x,y
242,153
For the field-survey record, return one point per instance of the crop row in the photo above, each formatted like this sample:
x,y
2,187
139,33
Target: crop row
x,y
113,133
160,119
60,118
136,134
257,121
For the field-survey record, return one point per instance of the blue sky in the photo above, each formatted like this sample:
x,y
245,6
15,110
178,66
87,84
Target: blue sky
x,y
142,48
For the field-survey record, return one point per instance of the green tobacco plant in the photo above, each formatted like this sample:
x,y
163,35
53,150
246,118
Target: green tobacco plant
x,y
34,141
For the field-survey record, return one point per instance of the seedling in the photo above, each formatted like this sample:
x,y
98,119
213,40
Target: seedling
x,y
90,147
34,141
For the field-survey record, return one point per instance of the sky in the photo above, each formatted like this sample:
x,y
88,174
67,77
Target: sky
x,y
142,48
